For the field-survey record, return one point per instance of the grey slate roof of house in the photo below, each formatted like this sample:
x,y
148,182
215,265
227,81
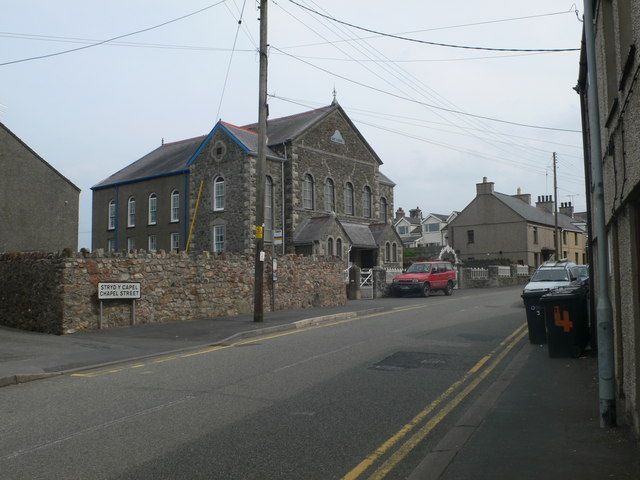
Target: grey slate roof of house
x,y
359,234
410,239
440,216
312,229
536,215
377,230
279,130
166,159
172,158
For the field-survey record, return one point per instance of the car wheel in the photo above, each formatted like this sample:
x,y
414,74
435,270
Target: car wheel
x,y
449,289
426,290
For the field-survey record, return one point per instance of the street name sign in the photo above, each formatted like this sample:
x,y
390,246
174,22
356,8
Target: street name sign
x,y
115,291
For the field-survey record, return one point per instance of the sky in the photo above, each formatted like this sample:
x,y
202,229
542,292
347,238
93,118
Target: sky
x,y
91,112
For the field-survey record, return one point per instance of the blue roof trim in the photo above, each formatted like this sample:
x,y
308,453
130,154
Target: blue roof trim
x,y
141,179
218,126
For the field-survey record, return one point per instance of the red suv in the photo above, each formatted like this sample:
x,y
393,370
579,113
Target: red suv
x,y
425,277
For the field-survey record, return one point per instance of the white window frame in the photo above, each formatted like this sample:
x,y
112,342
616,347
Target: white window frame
x,y
131,212
112,215
219,238
174,242
268,209
366,202
348,199
218,194
111,245
152,217
329,195
175,206
307,192
152,243
131,243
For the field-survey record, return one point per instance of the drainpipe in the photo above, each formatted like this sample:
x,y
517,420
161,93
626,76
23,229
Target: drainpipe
x,y
603,308
117,229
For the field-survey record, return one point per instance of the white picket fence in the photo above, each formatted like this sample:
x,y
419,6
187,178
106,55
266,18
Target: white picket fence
x,y
522,270
504,271
477,273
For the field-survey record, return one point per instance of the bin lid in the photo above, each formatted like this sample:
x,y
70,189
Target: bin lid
x,y
564,293
533,294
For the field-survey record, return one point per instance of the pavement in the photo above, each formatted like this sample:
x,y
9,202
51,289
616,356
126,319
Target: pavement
x,y
536,419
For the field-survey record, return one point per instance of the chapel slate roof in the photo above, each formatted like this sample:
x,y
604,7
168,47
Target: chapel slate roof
x,y
248,138
279,130
359,234
385,180
166,159
536,215
311,229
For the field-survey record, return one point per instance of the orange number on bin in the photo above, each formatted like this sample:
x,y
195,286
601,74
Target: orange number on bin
x,y
564,321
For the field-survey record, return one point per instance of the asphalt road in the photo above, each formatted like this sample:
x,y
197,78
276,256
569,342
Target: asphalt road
x,y
318,403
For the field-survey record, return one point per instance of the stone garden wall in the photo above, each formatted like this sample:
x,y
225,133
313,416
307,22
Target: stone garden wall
x,y
56,294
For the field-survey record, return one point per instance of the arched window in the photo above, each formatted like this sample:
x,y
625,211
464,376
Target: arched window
x,y
112,215
387,252
175,206
348,198
131,212
218,194
366,202
329,196
339,247
268,209
383,210
307,192
329,247
153,209
394,252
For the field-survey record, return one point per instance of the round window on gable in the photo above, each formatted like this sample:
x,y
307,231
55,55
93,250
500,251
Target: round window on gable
x,y
218,150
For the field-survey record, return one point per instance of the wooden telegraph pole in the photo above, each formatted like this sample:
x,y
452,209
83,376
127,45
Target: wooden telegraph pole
x,y
258,306
555,208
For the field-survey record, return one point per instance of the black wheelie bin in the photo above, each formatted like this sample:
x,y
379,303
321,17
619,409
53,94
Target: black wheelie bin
x,y
535,316
567,320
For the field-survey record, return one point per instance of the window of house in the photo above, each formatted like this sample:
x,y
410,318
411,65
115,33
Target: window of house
x,y
394,252
175,206
625,38
577,258
348,198
535,236
112,215
329,196
564,254
433,227
268,209
387,252
307,192
610,70
564,237
131,244
470,236
383,210
330,247
153,209
218,238
403,229
152,243
131,212
218,194
366,202
575,238
339,247
175,242
111,245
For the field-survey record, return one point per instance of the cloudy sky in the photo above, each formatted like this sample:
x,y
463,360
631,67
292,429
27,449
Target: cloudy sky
x,y
93,111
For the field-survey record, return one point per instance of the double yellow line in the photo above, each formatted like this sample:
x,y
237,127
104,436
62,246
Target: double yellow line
x,y
471,379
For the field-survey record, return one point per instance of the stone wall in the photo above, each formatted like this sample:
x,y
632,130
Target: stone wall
x,y
59,295
31,291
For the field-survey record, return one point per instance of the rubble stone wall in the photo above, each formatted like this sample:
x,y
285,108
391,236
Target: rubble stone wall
x,y
174,287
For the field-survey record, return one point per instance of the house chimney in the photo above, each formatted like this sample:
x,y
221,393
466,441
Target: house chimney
x,y
399,213
545,202
415,213
484,188
525,197
566,208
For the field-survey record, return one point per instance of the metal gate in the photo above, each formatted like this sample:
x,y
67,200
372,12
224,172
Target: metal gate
x,y
366,283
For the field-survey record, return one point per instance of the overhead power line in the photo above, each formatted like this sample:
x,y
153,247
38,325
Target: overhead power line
x,y
102,42
426,42
436,107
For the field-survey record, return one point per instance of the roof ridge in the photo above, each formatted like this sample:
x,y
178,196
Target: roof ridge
x,y
289,117
238,127
181,141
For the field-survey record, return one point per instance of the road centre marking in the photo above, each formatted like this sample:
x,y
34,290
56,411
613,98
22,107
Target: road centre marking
x,y
359,469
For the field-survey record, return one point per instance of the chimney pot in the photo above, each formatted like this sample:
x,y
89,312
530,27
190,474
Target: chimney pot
x,y
519,191
484,179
